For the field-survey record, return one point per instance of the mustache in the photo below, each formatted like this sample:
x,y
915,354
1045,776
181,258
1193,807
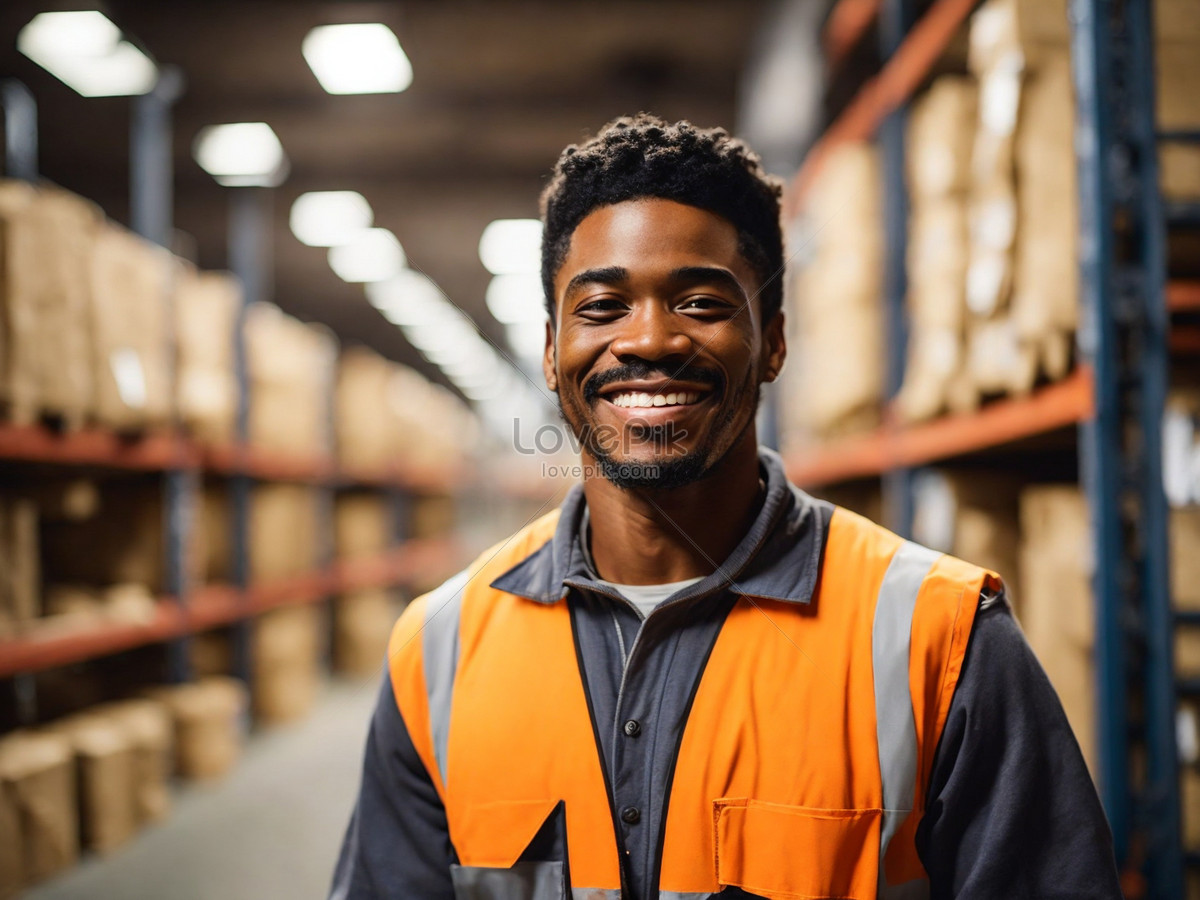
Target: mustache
x,y
642,370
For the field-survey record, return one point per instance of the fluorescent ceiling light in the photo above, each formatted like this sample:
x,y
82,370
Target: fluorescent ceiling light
x,y
511,246
357,59
87,52
513,299
327,218
440,334
242,154
407,298
373,254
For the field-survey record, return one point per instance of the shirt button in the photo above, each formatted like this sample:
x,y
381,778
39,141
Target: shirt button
x,y
633,728
631,815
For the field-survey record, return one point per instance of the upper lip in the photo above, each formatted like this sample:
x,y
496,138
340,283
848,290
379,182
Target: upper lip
x,y
664,386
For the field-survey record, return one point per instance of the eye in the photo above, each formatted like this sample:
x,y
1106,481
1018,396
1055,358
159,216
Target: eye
x,y
706,303
600,308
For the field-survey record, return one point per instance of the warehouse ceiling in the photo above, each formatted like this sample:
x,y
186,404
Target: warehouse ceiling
x,y
499,88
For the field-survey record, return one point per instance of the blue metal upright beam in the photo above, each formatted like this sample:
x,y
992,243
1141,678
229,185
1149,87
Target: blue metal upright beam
x,y
1122,335
895,19
20,131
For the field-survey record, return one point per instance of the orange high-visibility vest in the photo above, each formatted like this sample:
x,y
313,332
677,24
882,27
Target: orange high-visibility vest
x,y
805,756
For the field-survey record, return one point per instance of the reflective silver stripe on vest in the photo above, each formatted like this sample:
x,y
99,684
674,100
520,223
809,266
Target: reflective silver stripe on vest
x,y
439,650
602,894
895,721
684,895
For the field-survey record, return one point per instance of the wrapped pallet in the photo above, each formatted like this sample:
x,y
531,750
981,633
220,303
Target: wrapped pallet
x,y
130,329
283,531
147,726
362,624
38,818
207,305
1057,609
207,716
362,525
46,236
104,756
290,366
835,308
972,515
287,663
940,133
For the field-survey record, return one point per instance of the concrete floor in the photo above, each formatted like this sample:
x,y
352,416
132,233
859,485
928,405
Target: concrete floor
x,y
269,831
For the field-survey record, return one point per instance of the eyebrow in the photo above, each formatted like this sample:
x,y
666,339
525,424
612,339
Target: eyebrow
x,y
688,274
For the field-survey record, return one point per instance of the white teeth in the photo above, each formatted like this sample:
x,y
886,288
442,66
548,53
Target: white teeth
x,y
642,400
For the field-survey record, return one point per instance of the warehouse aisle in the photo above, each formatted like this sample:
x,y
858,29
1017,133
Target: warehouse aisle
x,y
270,830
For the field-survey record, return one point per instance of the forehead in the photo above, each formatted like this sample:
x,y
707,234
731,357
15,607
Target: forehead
x,y
652,236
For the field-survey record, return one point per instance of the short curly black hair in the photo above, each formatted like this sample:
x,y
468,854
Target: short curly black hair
x,y
643,156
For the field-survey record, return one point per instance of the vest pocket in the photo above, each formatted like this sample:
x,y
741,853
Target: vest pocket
x,y
779,851
512,850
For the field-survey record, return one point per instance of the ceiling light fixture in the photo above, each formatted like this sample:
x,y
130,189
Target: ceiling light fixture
x,y
87,52
357,59
242,154
516,298
511,246
373,254
329,218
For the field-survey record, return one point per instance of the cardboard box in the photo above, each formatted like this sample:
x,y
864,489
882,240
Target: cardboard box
x,y
1184,528
208,720
104,756
37,808
363,623
147,726
941,131
287,660
20,565
1057,608
130,329
283,530
207,305
291,368
362,525
46,236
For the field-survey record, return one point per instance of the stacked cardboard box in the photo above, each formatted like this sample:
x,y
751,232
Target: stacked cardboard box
x,y
940,133
38,818
1057,610
1177,32
290,366
974,516
283,531
835,378
46,238
130,330
104,755
207,306
287,662
19,564
207,717
362,625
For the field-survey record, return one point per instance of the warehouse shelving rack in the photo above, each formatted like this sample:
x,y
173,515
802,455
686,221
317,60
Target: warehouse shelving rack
x,y
181,462
1113,401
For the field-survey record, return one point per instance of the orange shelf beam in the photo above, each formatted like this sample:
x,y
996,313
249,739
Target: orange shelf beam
x,y
847,23
895,83
95,447
213,606
1054,406
1183,296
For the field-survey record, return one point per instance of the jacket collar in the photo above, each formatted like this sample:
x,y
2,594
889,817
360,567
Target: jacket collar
x,y
778,559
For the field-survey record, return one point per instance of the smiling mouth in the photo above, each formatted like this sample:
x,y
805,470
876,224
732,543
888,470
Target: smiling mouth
x,y
643,400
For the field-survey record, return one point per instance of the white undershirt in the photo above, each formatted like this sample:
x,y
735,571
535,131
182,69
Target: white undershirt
x,y
647,596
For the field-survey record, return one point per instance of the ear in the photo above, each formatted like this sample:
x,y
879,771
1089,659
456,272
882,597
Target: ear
x,y
549,370
774,347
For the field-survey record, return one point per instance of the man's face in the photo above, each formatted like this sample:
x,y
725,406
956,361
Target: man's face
x,y
659,349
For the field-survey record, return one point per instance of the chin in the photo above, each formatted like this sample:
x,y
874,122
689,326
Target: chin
x,y
662,473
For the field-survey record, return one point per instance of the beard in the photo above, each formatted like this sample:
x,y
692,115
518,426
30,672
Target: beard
x,y
670,467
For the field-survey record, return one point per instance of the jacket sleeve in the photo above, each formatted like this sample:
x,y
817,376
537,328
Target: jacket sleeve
x,y
1011,809
397,844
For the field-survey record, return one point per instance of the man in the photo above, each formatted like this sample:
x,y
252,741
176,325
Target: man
x,y
694,678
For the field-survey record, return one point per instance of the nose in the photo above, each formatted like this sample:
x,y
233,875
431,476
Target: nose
x,y
652,333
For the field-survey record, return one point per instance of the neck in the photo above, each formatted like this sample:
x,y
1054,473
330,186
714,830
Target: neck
x,y
656,536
